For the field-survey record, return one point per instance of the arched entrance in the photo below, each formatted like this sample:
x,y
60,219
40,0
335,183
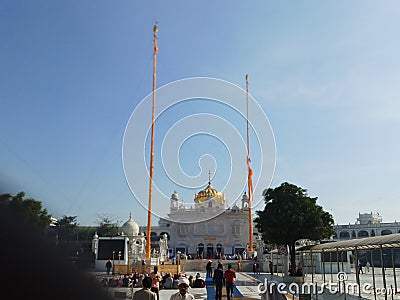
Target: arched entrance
x,y
200,250
239,250
386,232
181,249
344,235
210,250
220,250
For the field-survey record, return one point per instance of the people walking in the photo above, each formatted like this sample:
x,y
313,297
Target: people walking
x,y
360,269
229,276
219,281
108,266
209,269
367,265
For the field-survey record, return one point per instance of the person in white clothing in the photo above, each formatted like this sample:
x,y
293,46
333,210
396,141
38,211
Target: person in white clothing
x,y
183,294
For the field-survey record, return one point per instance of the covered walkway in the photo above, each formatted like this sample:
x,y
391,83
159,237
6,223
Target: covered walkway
x,y
337,249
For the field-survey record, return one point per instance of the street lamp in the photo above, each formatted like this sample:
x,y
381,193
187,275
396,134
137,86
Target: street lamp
x,y
178,262
119,257
113,254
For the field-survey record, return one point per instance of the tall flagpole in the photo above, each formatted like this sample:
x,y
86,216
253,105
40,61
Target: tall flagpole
x,y
149,209
249,170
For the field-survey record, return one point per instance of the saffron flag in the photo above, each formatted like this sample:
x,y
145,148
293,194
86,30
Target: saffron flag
x,y
250,179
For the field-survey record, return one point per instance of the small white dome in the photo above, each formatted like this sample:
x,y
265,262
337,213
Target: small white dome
x,y
130,227
95,237
175,196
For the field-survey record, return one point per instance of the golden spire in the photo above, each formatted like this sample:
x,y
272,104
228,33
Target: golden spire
x,y
209,192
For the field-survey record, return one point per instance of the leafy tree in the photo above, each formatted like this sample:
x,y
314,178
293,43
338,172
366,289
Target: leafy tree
x,y
30,208
66,228
289,215
86,233
106,226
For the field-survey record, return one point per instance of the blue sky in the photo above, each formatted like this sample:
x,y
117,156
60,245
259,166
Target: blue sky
x,y
325,73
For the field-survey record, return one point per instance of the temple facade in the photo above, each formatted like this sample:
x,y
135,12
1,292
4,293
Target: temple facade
x,y
206,228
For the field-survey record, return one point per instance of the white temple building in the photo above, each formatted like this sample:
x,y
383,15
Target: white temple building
x,y
367,225
129,247
207,228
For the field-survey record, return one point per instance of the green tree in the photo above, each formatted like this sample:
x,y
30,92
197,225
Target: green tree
x,y
106,226
29,208
67,228
289,215
86,233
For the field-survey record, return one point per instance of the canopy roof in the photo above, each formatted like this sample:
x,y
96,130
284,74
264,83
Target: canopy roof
x,y
386,241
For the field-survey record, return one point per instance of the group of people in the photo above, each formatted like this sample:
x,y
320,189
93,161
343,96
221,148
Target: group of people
x,y
125,280
148,292
360,267
221,278
151,288
153,282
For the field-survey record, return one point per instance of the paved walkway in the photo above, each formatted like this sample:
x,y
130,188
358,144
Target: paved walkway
x,y
247,287
333,292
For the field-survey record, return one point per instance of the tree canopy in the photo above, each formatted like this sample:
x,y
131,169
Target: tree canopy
x,y
106,227
29,208
290,215
67,228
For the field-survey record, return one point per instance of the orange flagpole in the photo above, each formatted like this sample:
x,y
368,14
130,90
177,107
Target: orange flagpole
x,y
250,171
149,212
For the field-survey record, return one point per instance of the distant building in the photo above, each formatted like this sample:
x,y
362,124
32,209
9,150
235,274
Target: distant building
x,y
367,225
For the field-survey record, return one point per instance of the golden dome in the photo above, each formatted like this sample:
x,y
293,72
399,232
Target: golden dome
x,y
208,193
